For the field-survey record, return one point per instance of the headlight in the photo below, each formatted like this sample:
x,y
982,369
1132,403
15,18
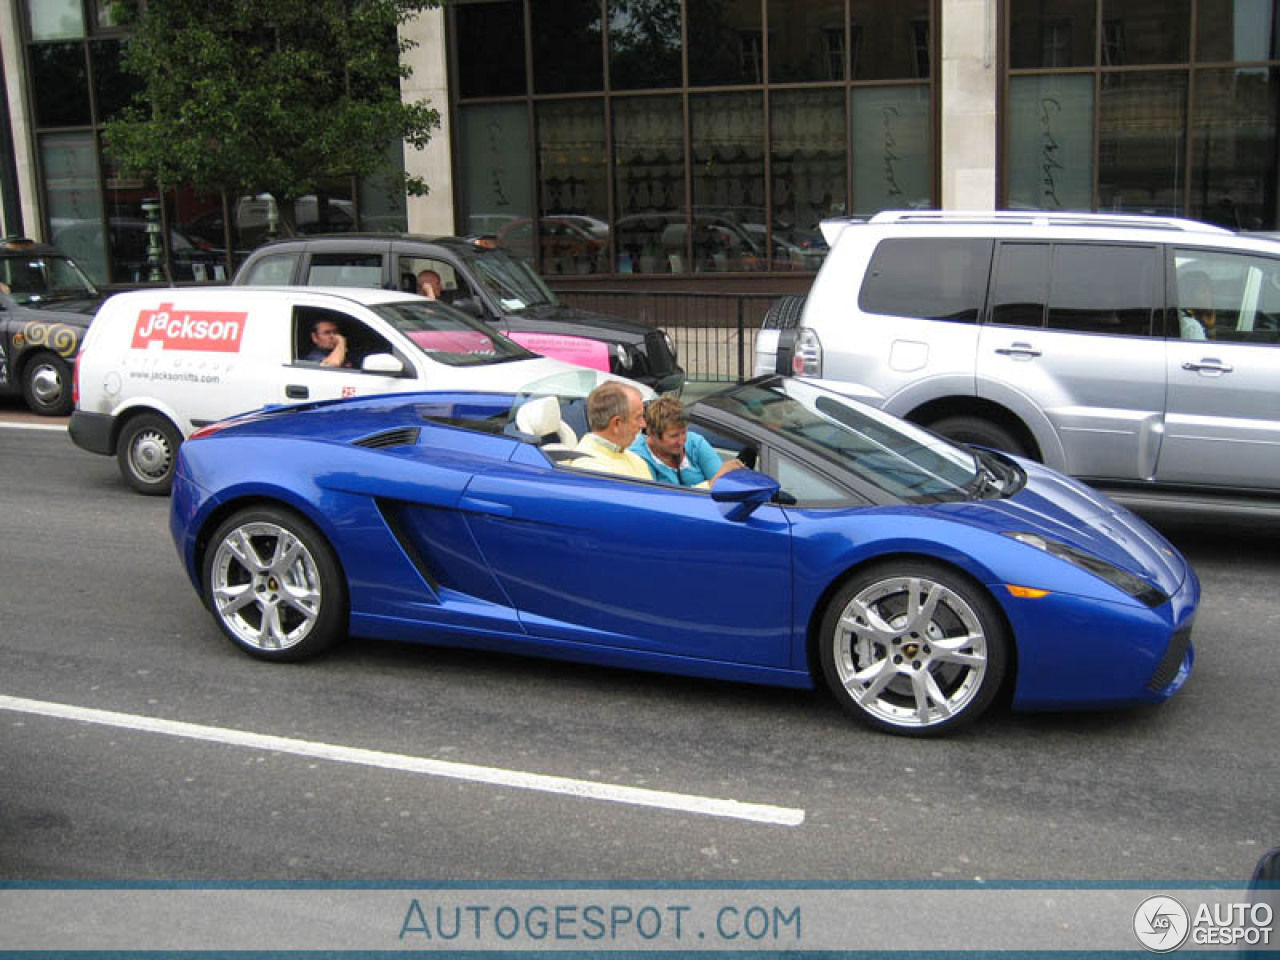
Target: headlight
x,y
623,356
1122,580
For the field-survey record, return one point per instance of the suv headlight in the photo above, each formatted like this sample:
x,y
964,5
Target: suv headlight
x,y
1122,580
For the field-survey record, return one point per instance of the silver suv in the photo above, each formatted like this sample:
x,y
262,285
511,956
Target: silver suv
x,y
1139,353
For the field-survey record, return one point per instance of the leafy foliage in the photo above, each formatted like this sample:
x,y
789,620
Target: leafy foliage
x,y
266,96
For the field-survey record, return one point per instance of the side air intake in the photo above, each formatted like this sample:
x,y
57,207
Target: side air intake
x,y
400,437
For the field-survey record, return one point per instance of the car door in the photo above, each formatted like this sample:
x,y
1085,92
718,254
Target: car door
x,y
1222,426
303,379
600,560
1070,339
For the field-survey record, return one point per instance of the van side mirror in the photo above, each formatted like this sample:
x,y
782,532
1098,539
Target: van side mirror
x,y
742,491
382,363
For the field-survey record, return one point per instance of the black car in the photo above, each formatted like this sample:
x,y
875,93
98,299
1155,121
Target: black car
x,y
480,279
46,304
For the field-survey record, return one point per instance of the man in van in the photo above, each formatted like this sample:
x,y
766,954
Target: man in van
x,y
329,346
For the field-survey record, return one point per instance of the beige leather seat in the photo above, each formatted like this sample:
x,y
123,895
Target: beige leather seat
x,y
540,418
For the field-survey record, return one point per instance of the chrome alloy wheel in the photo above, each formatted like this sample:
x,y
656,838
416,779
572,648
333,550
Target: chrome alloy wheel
x,y
910,651
265,586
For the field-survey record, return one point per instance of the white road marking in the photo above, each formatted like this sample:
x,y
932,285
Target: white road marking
x,y
60,427
583,789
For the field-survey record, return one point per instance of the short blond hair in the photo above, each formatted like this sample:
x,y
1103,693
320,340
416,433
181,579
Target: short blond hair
x,y
663,414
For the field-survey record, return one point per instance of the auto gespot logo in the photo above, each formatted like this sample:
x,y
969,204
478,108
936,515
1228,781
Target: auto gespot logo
x,y
166,328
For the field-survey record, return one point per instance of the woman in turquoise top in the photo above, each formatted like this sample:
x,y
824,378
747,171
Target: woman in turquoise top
x,y
675,454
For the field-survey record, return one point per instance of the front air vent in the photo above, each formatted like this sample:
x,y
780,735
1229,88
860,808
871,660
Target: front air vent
x,y
1171,662
399,437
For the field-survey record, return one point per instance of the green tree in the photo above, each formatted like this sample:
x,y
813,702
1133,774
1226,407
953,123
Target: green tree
x,y
266,96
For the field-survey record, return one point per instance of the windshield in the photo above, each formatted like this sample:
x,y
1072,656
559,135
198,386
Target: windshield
x,y
899,458
449,336
34,278
512,282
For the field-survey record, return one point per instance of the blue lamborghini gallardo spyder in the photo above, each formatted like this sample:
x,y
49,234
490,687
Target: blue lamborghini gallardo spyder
x,y
917,579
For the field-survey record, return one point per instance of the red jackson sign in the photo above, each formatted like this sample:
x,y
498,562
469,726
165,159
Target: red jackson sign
x,y
168,329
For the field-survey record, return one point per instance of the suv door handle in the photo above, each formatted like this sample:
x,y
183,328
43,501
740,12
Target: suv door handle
x,y
296,391
1208,365
1019,351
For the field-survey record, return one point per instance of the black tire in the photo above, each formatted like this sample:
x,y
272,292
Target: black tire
x,y
46,385
921,678
297,594
147,452
983,433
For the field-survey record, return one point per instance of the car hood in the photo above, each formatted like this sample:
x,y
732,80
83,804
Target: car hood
x,y
1064,509
77,311
559,318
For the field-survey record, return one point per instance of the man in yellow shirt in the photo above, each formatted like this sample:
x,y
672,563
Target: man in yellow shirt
x,y
615,414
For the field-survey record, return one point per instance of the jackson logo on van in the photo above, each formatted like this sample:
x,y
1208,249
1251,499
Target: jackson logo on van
x,y
168,329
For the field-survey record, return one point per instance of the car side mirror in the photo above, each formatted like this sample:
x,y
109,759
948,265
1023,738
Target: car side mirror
x,y
741,491
382,363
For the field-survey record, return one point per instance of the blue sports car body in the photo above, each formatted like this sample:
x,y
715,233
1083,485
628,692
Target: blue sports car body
x,y
916,578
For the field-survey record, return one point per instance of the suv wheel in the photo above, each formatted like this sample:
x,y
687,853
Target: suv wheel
x,y
983,433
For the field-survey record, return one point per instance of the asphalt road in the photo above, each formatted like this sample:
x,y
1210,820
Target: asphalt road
x,y
95,613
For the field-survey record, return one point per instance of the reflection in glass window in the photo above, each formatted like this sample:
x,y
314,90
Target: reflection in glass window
x,y
648,144
894,39
567,52
60,84
1051,142
890,138
1052,33
112,86
1229,297
573,187
808,163
644,44
493,151
491,38
728,182
1102,289
71,199
1021,290
382,209
806,40
1141,166
1231,30
726,43
935,278
55,19
1234,168
1145,32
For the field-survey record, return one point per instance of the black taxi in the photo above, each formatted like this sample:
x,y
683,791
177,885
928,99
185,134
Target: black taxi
x,y
46,304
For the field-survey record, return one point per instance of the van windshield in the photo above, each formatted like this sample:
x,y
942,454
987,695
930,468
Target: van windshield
x,y
449,336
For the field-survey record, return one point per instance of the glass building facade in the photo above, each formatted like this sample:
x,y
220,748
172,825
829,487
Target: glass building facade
x,y
640,139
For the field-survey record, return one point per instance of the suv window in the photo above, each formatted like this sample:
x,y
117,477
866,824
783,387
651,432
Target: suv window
x,y
936,278
1096,288
1227,296
345,270
275,270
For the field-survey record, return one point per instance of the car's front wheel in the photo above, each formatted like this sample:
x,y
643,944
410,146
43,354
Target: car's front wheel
x,y
274,585
913,648
46,385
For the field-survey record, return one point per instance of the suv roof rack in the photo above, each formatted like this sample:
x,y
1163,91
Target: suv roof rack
x,y
1047,218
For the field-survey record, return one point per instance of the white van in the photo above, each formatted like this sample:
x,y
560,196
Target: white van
x,y
158,364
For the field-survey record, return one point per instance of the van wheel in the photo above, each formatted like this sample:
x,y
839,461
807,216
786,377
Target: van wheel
x,y
146,452
984,433
46,385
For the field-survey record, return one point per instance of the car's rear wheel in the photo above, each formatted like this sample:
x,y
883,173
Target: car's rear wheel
x,y
46,385
980,431
274,585
913,648
147,451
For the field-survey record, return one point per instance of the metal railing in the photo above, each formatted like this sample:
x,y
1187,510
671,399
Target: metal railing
x,y
714,333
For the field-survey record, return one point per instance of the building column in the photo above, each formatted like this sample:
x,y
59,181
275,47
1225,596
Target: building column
x,y
969,75
432,214
15,93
